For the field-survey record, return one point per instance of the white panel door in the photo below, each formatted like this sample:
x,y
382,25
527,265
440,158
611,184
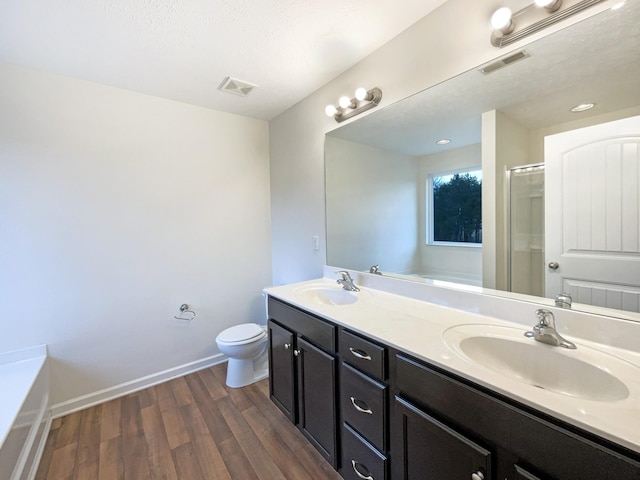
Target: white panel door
x,y
592,214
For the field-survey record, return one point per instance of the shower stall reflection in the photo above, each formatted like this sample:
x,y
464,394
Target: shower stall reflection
x,y
525,190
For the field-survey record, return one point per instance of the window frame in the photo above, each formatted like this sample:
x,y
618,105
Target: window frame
x,y
429,207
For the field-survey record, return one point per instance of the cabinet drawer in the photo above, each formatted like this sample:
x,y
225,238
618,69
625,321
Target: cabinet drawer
x,y
312,328
359,459
363,354
363,402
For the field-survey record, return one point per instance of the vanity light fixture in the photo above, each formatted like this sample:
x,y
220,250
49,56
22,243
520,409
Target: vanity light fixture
x,y
350,107
582,107
532,19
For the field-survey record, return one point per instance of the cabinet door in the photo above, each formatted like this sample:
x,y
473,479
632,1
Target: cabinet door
x,y
426,448
317,398
282,388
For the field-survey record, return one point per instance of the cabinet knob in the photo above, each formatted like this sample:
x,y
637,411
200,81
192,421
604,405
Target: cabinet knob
x,y
359,354
364,409
296,353
287,346
360,475
477,476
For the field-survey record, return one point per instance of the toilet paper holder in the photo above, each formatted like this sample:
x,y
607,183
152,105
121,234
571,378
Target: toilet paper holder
x,y
185,313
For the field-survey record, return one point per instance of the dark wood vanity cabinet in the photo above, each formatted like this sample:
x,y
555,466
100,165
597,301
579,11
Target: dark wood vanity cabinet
x,y
303,374
395,417
442,420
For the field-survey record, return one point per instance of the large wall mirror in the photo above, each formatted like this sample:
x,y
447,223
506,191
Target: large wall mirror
x,y
380,170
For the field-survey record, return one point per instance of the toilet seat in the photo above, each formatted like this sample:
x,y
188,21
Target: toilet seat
x,y
241,334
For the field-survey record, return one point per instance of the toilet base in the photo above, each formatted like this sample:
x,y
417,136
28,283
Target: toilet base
x,y
245,371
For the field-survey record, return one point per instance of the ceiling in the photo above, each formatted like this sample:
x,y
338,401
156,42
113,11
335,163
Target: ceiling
x,y
596,60
184,49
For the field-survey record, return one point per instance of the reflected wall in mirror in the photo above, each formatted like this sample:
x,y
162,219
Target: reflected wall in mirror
x,y
377,166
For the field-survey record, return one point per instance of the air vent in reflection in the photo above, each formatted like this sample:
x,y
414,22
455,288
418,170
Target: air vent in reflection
x,y
503,62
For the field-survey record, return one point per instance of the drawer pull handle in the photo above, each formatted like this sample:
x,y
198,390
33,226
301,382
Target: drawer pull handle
x,y
355,469
354,402
477,476
359,354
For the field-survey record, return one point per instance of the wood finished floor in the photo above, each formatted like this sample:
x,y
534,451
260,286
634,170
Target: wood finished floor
x,y
189,428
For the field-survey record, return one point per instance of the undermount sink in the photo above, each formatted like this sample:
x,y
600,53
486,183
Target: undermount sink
x,y
583,373
327,295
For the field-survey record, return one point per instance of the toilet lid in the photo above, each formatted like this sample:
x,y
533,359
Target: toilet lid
x,y
239,333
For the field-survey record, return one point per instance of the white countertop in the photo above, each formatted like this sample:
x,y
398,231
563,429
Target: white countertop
x,y
417,327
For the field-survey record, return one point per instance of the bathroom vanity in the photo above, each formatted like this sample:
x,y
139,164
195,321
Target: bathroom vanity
x,y
385,388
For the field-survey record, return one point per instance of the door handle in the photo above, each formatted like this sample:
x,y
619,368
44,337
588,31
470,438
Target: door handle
x,y
554,265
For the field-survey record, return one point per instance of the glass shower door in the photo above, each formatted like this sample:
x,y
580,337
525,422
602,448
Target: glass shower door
x,y
526,229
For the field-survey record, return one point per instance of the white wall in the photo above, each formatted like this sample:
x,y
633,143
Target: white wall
x,y
452,39
372,196
115,208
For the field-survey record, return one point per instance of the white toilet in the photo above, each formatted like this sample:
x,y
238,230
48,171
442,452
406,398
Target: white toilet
x,y
246,347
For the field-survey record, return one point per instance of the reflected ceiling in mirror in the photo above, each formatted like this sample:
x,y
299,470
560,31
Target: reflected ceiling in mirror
x,y
595,60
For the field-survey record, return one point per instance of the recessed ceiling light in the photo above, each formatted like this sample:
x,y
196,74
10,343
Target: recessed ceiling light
x,y
582,107
443,141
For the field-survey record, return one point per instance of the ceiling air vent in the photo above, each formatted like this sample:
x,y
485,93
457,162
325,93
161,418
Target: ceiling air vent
x,y
237,87
503,62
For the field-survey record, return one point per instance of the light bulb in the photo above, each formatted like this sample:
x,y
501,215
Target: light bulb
x,y
501,20
330,110
361,93
550,5
344,102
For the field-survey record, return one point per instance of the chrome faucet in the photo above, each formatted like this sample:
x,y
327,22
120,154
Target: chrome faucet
x,y
375,269
347,282
545,331
563,300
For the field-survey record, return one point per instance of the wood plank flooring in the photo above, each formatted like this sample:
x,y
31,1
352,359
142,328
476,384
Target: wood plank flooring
x,y
189,428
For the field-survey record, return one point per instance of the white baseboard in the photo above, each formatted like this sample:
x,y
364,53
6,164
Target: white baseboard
x,y
101,396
